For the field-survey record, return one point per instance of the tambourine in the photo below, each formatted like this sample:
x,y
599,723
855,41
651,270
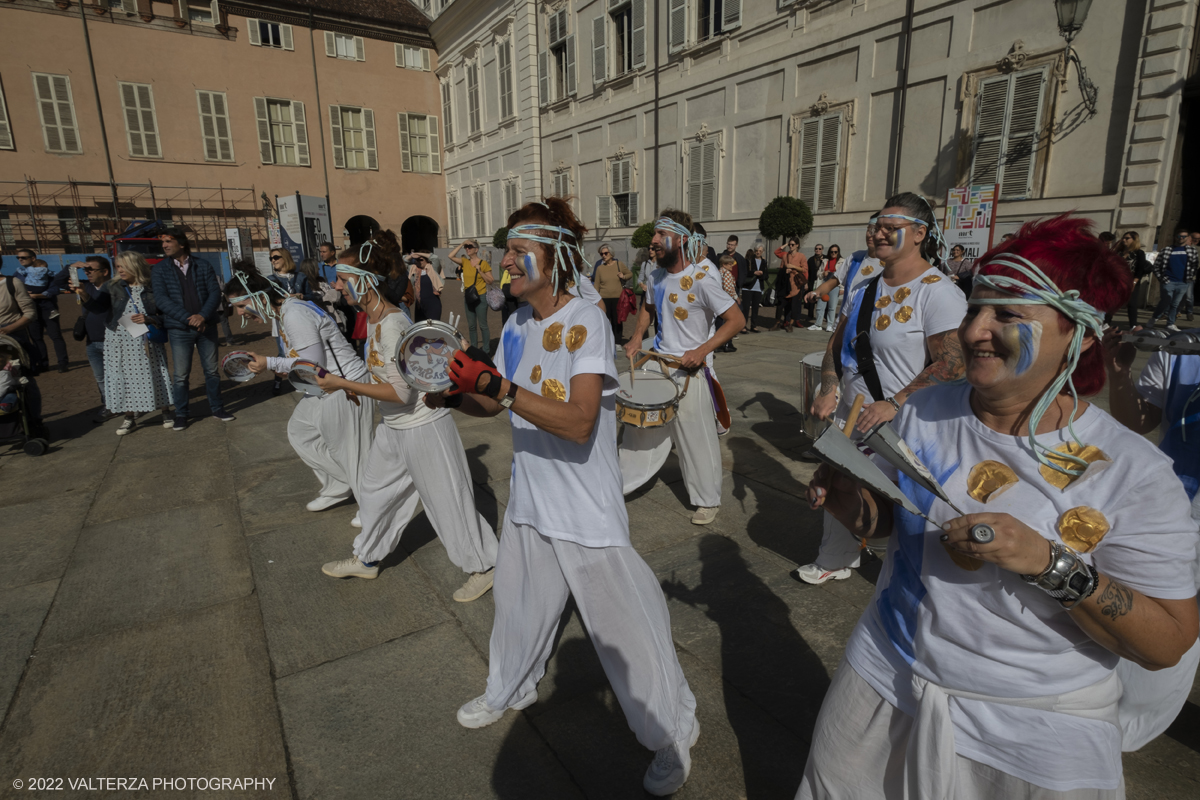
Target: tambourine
x,y
423,356
236,366
303,376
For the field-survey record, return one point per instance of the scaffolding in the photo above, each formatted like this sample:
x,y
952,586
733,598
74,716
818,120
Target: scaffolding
x,y
76,216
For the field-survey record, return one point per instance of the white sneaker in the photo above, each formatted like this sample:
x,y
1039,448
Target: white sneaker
x,y
127,426
168,420
703,515
1173,328
476,586
356,522
829,329
478,714
814,327
322,502
816,574
350,568
671,766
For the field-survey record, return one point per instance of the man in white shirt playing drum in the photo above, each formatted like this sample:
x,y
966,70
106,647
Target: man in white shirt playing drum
x,y
688,298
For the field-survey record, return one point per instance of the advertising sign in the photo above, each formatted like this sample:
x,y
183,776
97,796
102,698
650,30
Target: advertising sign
x,y
273,232
970,218
303,224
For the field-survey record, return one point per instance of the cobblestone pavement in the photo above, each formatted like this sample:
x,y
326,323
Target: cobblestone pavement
x,y
163,615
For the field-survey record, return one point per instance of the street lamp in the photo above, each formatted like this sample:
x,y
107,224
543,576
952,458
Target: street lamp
x,y
1071,16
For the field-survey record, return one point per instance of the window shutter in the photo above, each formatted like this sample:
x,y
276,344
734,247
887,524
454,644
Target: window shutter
x,y
810,134
989,130
639,33
708,192
48,112
360,48
732,18
599,62
571,65
558,26
695,173
405,152
129,6
145,97
221,119
6,137
263,122
604,206
285,37
447,111
677,25
399,55
831,141
425,59
633,210
133,121
543,77
253,33
330,45
335,136
369,137
435,146
301,133
58,113
214,129
1023,119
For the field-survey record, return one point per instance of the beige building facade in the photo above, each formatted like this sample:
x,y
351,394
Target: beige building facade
x,y
212,110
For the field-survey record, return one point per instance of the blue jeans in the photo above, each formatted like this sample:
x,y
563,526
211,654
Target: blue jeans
x,y
95,354
828,309
182,342
1172,295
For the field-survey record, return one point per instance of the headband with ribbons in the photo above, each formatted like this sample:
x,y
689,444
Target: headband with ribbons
x,y
260,301
562,249
696,244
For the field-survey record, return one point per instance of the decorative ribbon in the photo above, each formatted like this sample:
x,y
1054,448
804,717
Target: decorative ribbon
x,y
562,250
697,247
260,301
939,238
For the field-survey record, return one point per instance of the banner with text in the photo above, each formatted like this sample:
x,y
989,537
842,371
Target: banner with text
x,y
970,218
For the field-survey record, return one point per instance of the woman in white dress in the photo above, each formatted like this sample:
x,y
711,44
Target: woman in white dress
x,y
330,433
135,369
417,455
985,665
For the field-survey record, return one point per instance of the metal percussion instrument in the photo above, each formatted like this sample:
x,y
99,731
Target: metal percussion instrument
x,y
811,364
982,534
423,356
1155,339
303,376
236,366
647,398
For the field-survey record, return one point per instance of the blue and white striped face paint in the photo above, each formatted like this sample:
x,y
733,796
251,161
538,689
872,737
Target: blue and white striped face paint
x,y
1029,337
531,268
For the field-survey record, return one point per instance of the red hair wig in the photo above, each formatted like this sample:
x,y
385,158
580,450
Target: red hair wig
x,y
1067,250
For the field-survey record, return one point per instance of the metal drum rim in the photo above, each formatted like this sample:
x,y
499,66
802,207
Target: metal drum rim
x,y
654,375
414,330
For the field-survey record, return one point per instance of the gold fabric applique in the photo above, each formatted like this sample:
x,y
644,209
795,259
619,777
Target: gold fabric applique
x,y
902,294
373,359
536,375
293,354
990,479
883,302
962,559
552,337
691,298
867,270
1082,528
904,314
685,282
680,313
1090,454
378,333
931,279
576,337
699,275
882,323
553,389
674,298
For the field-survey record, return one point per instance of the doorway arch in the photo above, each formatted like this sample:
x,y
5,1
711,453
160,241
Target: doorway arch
x,y
418,233
360,228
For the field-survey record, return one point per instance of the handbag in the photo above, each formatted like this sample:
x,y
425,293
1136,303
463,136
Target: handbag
x,y
80,329
626,305
471,296
495,297
153,332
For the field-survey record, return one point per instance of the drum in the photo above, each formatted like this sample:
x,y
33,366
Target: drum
x,y
236,366
423,356
811,363
647,398
304,377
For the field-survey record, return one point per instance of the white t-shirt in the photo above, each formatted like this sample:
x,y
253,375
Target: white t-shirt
x,y
380,348
302,325
689,303
868,268
586,290
926,305
565,490
986,630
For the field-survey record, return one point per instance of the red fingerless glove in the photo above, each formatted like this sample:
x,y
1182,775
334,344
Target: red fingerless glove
x,y
466,371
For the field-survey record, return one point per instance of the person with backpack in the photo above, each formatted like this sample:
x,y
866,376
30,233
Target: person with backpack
x,y
476,274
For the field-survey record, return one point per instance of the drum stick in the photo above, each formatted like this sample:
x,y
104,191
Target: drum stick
x,y
852,417
349,396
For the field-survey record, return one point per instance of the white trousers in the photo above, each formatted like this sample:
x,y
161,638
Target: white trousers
x,y
839,547
859,747
625,614
427,464
333,436
694,434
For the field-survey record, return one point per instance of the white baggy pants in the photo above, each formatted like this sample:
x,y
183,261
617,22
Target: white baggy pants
x,y
425,463
333,436
839,547
625,614
693,432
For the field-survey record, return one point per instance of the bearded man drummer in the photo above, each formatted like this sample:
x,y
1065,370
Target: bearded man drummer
x,y
689,299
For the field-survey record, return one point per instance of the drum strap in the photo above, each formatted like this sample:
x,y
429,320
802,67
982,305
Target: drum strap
x,y
862,342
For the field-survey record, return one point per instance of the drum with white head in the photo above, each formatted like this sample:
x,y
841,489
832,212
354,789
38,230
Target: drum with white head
x,y
423,356
647,398
236,366
303,376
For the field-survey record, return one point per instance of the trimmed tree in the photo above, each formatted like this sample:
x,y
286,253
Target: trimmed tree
x,y
500,239
642,236
785,216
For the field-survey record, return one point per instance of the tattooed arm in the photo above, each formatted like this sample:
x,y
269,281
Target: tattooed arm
x,y
1150,632
947,366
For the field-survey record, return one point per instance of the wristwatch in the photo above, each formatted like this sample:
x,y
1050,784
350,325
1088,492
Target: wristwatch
x,y
1067,579
510,395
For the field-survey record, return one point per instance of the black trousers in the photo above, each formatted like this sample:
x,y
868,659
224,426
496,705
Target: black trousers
x,y
610,309
43,322
750,302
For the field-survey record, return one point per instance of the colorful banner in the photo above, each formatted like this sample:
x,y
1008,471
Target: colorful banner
x,y
971,218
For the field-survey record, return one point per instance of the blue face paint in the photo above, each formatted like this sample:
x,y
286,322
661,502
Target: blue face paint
x,y
898,238
531,267
353,293
1030,335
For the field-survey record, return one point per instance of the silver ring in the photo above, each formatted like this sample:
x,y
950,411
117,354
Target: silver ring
x,y
982,534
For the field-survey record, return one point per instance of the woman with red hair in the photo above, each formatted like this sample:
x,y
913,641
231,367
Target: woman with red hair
x,y
984,666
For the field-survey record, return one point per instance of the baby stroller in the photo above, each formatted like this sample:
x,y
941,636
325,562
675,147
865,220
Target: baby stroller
x,y
19,425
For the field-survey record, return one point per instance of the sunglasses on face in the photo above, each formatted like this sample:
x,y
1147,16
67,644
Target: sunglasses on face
x,y
470,247
90,270
277,258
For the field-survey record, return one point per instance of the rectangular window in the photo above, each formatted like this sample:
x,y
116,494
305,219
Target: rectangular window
x,y
57,110
408,57
473,98
702,181
141,127
6,137
452,200
820,148
352,131
420,150
479,200
214,126
199,12
345,46
556,65
619,209
562,184
708,19
282,131
504,59
261,33
448,109
1007,122
512,198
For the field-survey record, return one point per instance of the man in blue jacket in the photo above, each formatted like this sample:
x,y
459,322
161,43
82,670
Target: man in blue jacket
x,y
187,293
